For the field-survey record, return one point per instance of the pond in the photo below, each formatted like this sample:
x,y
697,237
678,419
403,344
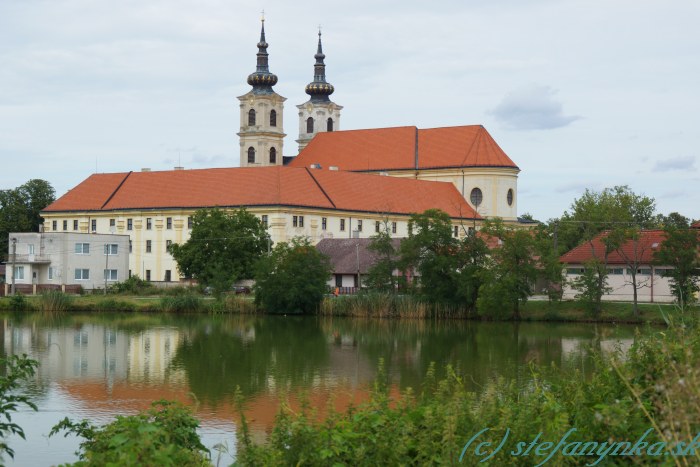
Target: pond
x,y
95,366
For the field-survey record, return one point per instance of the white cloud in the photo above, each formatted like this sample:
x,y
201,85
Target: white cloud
x,y
675,163
532,107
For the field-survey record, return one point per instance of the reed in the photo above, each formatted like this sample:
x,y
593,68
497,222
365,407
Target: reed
x,y
181,304
54,301
385,305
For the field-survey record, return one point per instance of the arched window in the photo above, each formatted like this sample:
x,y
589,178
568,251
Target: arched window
x,y
251,155
309,125
273,118
273,156
329,125
251,117
476,197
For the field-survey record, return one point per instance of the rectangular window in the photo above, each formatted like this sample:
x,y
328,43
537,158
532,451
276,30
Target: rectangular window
x,y
338,280
131,247
111,275
167,245
342,225
30,249
52,273
148,275
168,222
644,271
359,226
663,272
264,220
149,223
112,222
82,274
324,223
19,272
189,222
54,225
393,227
129,224
456,231
577,271
295,221
148,246
168,275
75,224
301,221
111,249
615,271
82,248
376,226
93,225
65,225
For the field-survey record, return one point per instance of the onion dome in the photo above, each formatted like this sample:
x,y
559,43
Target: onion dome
x,y
319,89
262,80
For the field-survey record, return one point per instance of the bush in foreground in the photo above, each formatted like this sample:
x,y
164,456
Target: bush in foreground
x,y
164,435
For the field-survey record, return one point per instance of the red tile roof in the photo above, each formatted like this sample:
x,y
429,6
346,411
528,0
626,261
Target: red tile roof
x,y
696,225
396,149
261,186
649,241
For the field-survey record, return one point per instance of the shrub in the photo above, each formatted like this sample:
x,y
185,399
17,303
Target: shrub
x,y
164,435
111,304
19,303
134,285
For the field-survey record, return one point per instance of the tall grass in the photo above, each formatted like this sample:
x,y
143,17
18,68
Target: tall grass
x,y
181,304
234,304
386,305
54,301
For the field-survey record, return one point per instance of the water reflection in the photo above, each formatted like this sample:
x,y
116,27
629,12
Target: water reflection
x,y
95,366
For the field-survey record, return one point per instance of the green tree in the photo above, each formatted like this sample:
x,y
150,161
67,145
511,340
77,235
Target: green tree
x,y
621,214
591,285
680,251
20,208
432,250
222,249
472,258
550,268
381,276
508,281
292,279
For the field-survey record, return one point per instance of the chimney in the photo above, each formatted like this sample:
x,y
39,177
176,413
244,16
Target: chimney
x,y
333,167
179,167
145,169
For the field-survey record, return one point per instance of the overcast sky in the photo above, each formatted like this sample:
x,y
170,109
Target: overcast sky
x,y
580,94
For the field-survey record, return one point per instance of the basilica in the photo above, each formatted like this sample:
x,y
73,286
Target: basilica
x,y
340,184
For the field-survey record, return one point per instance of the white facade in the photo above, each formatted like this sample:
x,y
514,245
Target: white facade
x,y
317,117
652,286
150,232
67,258
262,129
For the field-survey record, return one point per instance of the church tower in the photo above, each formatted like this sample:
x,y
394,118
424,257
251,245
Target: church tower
x,y
261,134
318,114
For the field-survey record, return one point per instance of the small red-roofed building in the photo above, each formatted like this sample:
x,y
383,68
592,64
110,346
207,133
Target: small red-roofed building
x,y
652,285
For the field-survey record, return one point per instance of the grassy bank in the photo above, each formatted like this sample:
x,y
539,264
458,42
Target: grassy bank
x,y
650,393
359,306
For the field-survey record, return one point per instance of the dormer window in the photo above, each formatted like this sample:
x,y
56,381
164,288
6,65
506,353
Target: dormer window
x,y
251,117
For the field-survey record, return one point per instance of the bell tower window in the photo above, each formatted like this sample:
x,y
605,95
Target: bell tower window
x,y
251,117
273,156
273,118
329,125
251,155
309,125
